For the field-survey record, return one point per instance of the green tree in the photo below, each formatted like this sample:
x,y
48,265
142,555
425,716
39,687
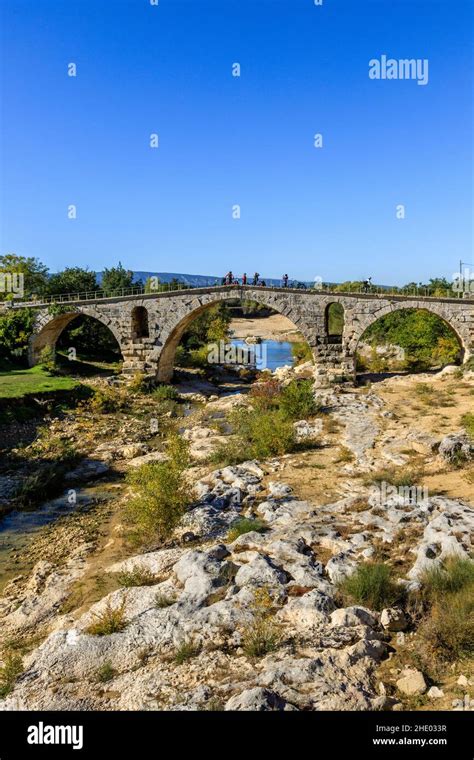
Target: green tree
x,y
212,325
72,280
116,279
16,327
35,274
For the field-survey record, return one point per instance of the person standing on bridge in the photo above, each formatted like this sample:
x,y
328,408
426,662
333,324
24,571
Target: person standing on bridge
x,y
285,280
255,278
244,279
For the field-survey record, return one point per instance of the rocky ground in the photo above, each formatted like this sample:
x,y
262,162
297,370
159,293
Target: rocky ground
x,y
184,642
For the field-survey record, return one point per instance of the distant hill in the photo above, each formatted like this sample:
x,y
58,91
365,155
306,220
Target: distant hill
x,y
196,280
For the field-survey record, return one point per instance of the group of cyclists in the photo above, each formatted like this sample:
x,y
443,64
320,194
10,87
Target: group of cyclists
x,y
230,279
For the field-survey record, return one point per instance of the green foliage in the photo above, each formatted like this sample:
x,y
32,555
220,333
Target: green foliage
x,y
301,353
266,394
371,584
16,327
186,651
244,525
30,384
335,318
116,279
262,635
210,326
137,577
453,575
111,620
467,421
166,393
89,337
106,401
426,339
106,673
35,274
9,672
72,280
162,601
297,400
448,633
259,435
161,493
47,360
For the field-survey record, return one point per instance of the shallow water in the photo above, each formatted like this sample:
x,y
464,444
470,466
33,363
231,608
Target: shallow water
x,y
269,354
18,528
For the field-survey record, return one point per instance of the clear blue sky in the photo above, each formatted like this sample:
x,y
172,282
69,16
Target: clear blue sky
x,y
247,141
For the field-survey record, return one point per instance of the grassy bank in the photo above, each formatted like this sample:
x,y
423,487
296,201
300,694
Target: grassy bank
x,y
17,383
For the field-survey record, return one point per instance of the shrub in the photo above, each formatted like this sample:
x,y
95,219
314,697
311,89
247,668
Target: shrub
x,y
453,575
244,525
262,434
371,584
449,630
301,353
161,493
467,421
137,577
106,673
262,635
345,455
12,668
47,360
297,400
266,395
162,601
395,476
166,393
111,620
140,383
186,651
106,401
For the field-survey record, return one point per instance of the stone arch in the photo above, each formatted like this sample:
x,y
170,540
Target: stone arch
x,y
140,327
458,326
172,338
49,327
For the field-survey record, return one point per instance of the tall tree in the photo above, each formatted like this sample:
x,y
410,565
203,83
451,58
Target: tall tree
x,y
35,274
72,280
116,279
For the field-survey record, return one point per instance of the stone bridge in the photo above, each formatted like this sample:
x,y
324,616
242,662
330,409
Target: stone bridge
x,y
149,327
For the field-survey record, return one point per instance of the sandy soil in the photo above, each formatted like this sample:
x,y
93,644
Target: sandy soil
x,y
275,327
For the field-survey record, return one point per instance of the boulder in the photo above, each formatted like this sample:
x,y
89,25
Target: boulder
x,y
394,619
257,700
457,446
307,611
351,616
260,571
412,683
